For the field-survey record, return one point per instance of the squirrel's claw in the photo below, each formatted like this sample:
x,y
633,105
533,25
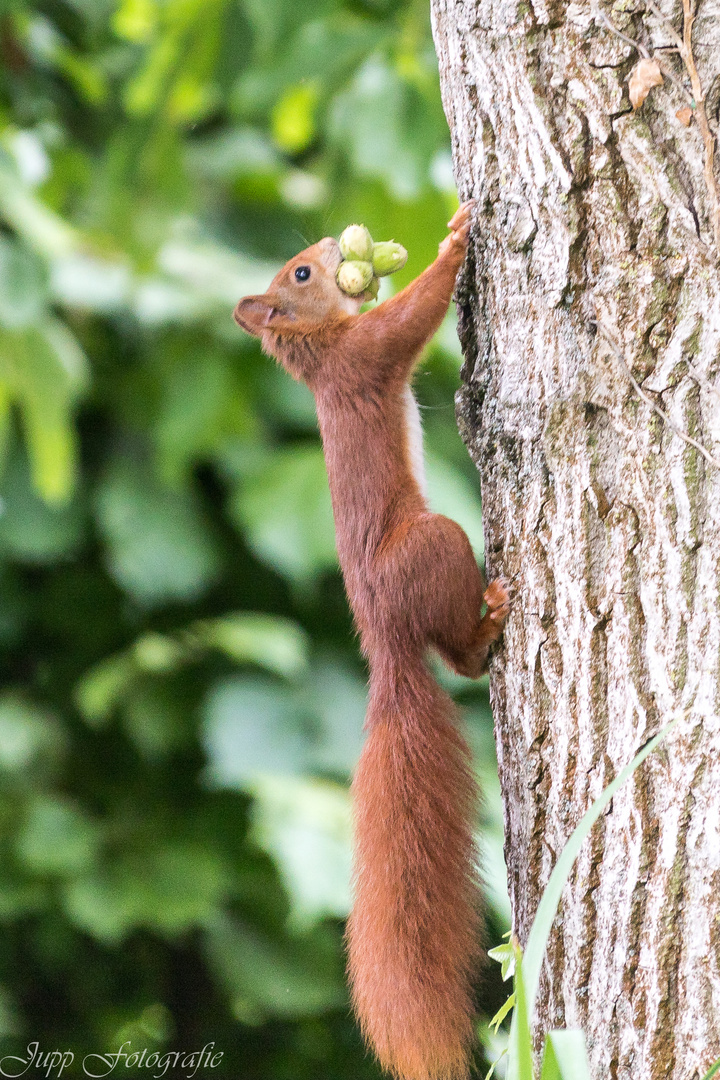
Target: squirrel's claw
x,y
497,597
461,217
460,224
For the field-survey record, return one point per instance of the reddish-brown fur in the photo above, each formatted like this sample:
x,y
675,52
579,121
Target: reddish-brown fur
x,y
413,583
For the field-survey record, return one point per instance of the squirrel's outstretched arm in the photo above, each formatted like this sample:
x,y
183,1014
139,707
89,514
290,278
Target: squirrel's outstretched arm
x,y
391,335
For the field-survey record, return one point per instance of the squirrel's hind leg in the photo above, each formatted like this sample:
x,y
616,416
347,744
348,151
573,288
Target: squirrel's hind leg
x,y
435,590
470,659
460,633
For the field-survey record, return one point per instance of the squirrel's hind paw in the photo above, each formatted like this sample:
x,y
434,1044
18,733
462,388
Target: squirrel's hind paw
x,y
497,598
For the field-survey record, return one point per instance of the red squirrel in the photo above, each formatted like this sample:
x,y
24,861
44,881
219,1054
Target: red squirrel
x,y
413,584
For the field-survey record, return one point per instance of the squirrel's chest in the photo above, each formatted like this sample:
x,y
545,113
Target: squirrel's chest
x,y
414,439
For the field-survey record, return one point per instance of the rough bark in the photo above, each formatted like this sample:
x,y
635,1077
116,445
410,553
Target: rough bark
x,y
605,520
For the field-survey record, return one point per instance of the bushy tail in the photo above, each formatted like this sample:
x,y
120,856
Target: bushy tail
x,y
413,933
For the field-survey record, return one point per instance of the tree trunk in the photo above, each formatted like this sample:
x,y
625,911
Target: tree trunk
x,y
595,263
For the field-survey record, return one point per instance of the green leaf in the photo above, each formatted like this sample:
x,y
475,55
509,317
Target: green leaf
x,y
19,897
452,494
712,1070
10,1022
268,640
253,727
234,152
57,837
203,408
157,653
337,46
285,508
274,21
171,889
159,548
285,401
490,843
180,63
305,825
374,121
153,1027
145,92
136,20
32,531
88,283
44,369
41,228
565,1056
102,906
155,719
23,285
293,118
211,271
89,80
502,1013
99,691
336,698
284,979
505,956
51,445
27,734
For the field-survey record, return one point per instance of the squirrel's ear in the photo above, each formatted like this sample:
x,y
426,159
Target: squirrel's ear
x,y
258,313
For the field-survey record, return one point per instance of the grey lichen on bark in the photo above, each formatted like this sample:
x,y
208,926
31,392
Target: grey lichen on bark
x,y
605,520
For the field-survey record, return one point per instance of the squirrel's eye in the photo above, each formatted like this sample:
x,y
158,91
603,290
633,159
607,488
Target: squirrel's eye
x,y
302,273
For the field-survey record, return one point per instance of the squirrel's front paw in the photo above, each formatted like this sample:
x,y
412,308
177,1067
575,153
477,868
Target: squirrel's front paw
x,y
460,225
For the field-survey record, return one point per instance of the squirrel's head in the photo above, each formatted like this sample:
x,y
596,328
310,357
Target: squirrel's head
x,y
304,295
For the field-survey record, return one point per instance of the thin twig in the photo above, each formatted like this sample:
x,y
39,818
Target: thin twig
x,y
628,40
659,60
666,23
670,74
707,135
684,46
703,382
649,401
697,101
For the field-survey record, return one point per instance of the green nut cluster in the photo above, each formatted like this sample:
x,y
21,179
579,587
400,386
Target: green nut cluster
x,y
364,262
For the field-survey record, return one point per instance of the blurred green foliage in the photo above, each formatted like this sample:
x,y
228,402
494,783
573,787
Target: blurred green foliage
x,y
182,696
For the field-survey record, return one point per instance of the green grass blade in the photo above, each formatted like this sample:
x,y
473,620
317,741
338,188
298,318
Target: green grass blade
x,y
712,1070
550,899
491,1070
520,1052
565,1056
